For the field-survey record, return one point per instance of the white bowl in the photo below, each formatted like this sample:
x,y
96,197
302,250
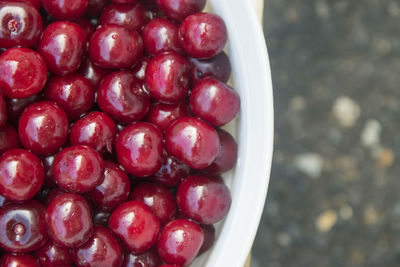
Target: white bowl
x,y
253,131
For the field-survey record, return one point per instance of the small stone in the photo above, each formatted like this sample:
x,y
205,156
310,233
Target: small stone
x,y
371,134
283,239
346,111
326,221
310,164
297,103
346,212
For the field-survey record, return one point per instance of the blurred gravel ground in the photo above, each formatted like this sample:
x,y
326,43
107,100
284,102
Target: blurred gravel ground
x,y
334,193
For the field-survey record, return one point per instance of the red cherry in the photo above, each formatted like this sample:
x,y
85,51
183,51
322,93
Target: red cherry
x,y
96,130
3,112
209,238
21,24
73,93
203,199
140,69
180,9
16,106
23,72
52,195
18,260
78,169
126,104
172,171
62,46
35,3
125,1
51,255
96,7
218,67
136,225
8,139
113,46
114,190
68,220
102,249
162,115
86,26
92,72
193,142
149,258
158,198
167,77
101,217
65,9
130,16
21,174
180,241
48,163
43,128
139,149
203,35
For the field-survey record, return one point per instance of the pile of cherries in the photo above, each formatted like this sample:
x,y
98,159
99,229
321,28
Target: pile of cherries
x,y
110,151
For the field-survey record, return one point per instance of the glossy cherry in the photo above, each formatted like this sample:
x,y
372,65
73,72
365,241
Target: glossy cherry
x,y
140,69
180,241
92,72
130,16
209,238
35,3
52,195
48,163
203,35
68,220
86,26
149,258
122,96
193,142
43,128
23,72
102,249
114,46
139,149
62,46
78,169
16,106
8,139
65,9
180,9
125,1
96,7
167,77
219,67
162,115
114,190
96,130
158,198
21,24
3,112
204,199
21,174
172,171
227,156
161,35
18,260
136,225
214,101
51,255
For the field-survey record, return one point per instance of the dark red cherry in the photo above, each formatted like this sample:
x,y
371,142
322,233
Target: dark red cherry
x,y
23,72
149,258
96,7
52,195
52,255
35,3
214,101
180,9
209,238
168,265
16,106
48,163
68,220
18,260
136,225
114,46
22,226
102,249
21,174
158,198
3,112
193,142
180,241
92,72
78,169
139,149
65,9
172,171
96,130
140,69
219,67
203,35
21,24
73,93
204,199
125,1
62,46
114,190
86,26
122,96
130,16
227,155
43,128
162,115
161,35
167,77
101,217
8,139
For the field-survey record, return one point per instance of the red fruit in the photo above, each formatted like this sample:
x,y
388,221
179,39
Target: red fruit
x,y
149,258
19,260
96,7
130,16
51,255
162,115
8,139
180,9
172,171
92,72
3,112
219,67
65,9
